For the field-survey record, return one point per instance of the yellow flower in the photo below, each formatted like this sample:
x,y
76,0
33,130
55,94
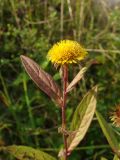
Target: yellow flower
x,y
115,116
66,51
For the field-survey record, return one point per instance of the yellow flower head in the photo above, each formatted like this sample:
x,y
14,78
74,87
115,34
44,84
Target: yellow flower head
x,y
66,51
115,116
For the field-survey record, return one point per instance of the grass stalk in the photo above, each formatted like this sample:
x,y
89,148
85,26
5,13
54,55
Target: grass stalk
x,y
28,103
29,108
62,18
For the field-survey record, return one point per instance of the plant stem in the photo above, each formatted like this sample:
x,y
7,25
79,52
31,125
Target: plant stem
x,y
65,79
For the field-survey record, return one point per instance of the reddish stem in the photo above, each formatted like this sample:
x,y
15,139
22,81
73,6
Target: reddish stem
x,y
65,79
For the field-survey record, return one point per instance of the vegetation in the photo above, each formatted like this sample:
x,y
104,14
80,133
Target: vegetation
x,y
28,116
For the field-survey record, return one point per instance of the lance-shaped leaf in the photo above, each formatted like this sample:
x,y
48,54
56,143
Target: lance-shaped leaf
x,y
109,133
103,158
42,79
116,158
76,79
81,120
24,153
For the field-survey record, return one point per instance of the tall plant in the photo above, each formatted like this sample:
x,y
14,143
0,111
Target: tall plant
x,y
62,55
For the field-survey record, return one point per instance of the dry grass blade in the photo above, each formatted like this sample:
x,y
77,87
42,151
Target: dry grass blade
x,y
42,79
76,79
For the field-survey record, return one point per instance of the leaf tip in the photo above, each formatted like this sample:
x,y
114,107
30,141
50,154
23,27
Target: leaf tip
x,y
95,88
22,57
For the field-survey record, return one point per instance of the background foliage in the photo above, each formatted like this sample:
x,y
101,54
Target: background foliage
x,y
28,117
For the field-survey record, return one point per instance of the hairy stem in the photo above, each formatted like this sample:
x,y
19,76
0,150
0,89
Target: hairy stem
x,y
65,79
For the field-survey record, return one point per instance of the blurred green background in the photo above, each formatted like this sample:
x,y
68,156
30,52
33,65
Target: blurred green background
x,y
31,27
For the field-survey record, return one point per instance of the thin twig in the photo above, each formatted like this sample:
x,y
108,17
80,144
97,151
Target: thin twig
x,y
103,50
46,21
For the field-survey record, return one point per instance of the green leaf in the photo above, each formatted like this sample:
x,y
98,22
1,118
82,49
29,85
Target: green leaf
x,y
108,132
116,158
103,158
4,99
81,120
25,153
